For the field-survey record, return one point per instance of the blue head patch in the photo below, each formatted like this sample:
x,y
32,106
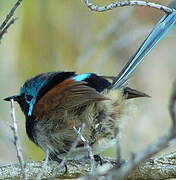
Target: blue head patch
x,y
33,86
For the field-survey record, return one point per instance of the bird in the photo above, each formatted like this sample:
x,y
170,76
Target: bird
x,y
55,102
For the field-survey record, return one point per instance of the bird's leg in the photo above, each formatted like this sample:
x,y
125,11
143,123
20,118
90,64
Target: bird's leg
x,y
99,159
53,157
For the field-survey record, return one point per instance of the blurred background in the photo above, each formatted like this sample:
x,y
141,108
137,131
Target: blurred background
x,y
52,35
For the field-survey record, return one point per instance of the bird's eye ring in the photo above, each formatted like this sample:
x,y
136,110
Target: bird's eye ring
x,y
28,98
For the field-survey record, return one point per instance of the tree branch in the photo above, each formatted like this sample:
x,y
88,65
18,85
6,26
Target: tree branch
x,y
8,21
113,5
17,141
163,167
156,168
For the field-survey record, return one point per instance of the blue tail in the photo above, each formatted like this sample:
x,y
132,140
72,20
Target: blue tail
x,y
160,30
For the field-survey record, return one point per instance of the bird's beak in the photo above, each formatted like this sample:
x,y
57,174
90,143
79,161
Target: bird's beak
x,y
15,98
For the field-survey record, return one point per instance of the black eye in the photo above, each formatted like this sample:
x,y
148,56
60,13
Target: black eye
x,y
28,97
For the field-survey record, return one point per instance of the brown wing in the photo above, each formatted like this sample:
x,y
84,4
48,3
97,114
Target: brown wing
x,y
67,95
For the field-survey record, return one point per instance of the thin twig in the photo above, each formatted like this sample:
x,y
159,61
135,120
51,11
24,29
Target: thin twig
x,y
66,157
11,13
45,162
113,5
17,140
8,21
6,27
90,153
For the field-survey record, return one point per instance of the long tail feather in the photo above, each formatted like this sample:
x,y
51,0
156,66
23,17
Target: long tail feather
x,y
160,30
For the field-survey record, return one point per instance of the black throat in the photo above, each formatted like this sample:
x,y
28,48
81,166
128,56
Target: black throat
x,y
30,130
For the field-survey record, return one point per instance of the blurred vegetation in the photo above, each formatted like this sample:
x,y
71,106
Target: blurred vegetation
x,y
66,35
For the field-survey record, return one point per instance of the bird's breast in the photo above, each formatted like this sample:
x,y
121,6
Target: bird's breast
x,y
54,130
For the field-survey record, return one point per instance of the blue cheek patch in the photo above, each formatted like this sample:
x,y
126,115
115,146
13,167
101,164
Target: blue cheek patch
x,y
82,77
31,105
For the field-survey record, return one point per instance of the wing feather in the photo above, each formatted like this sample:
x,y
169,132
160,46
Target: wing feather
x,y
67,95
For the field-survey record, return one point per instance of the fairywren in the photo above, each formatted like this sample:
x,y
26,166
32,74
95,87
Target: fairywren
x,y
55,102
